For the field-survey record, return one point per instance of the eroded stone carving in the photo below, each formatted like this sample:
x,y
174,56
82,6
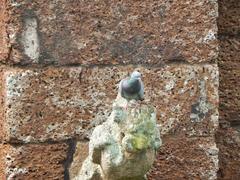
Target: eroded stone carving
x,y
123,147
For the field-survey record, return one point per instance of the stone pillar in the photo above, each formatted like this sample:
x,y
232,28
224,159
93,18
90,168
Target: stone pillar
x,y
228,137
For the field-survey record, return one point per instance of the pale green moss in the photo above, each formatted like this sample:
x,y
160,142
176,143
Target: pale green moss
x,y
140,142
140,128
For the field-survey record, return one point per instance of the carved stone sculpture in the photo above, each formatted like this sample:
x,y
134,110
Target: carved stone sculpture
x,y
123,147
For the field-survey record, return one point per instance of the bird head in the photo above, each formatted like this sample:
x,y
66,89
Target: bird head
x,y
136,75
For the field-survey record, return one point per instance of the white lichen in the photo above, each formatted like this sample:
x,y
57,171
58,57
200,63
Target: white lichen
x,y
30,40
210,36
170,85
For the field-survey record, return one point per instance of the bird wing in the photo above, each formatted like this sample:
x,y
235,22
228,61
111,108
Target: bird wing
x,y
141,92
120,87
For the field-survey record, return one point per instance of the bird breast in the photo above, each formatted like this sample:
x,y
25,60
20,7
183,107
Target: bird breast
x,y
131,87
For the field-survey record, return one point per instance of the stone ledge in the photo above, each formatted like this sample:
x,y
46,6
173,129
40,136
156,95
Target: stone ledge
x,y
61,103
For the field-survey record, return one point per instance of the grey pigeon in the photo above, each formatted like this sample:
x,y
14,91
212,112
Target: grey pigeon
x,y
132,87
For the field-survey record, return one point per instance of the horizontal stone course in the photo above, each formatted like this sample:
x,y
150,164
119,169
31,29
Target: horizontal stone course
x,y
61,103
110,32
33,161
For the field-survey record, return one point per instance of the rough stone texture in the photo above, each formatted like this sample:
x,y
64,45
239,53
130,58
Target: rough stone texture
x,y
229,50
229,70
110,32
35,161
4,49
228,21
2,109
80,154
228,136
186,158
228,141
60,103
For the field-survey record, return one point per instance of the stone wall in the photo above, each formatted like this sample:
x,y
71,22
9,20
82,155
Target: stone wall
x,y
61,62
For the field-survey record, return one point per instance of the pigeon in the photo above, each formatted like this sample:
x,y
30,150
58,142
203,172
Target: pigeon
x,y
132,87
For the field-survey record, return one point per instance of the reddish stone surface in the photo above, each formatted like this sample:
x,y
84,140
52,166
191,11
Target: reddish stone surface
x,y
229,71
3,163
61,103
35,161
228,141
229,50
4,44
186,158
229,96
2,109
111,32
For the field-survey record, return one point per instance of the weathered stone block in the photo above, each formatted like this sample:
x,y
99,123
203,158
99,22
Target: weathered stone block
x,y
186,158
60,103
110,32
229,17
36,161
186,98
